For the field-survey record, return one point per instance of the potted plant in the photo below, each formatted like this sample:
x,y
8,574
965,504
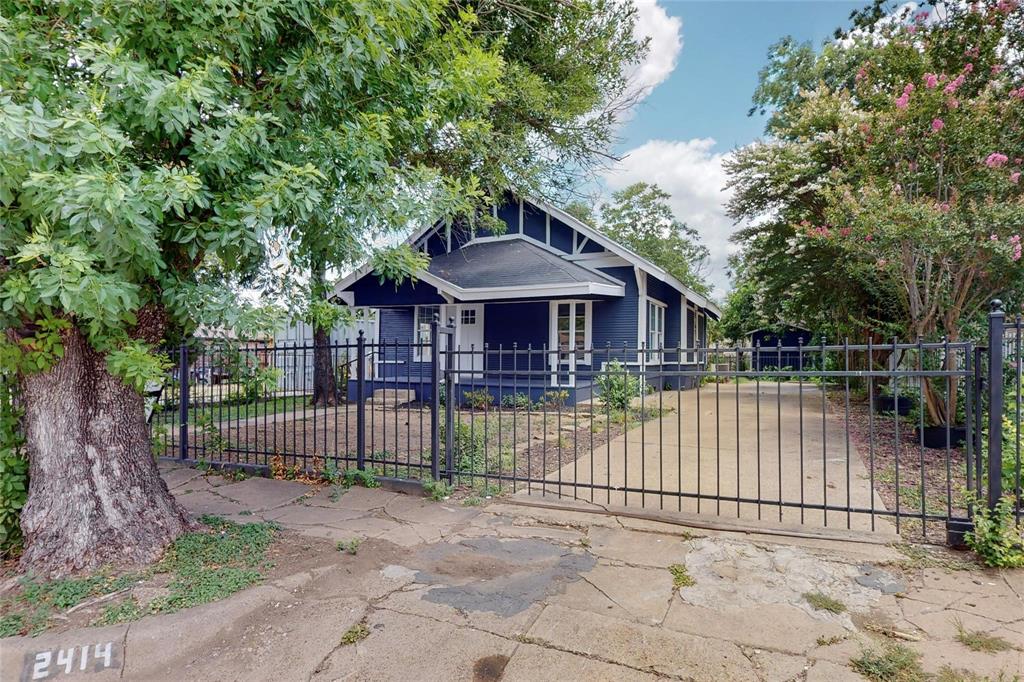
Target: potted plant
x,y
887,403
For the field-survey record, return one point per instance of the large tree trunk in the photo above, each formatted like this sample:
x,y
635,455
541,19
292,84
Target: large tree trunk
x,y
325,386
95,495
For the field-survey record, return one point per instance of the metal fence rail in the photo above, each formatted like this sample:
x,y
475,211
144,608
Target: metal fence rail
x,y
868,436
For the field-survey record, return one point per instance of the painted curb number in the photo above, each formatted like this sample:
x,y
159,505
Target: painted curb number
x,y
87,658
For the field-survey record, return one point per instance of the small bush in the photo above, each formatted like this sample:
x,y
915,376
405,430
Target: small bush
x,y
617,386
554,399
996,538
519,401
348,546
480,399
468,450
364,477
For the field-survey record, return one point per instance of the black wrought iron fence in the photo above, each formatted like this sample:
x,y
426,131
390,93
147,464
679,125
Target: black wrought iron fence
x,y
853,435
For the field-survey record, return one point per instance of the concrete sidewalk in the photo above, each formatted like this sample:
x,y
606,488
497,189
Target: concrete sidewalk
x,y
439,591
767,442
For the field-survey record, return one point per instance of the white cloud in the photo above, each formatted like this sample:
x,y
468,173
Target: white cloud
x,y
692,173
666,43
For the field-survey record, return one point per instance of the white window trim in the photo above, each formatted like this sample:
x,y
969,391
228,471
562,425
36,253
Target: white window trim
x,y
651,352
554,360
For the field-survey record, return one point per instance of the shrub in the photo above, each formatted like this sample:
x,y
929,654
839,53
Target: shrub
x,y
519,401
618,387
554,399
996,538
480,399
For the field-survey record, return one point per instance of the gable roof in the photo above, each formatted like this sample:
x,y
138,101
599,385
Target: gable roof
x,y
575,224
510,262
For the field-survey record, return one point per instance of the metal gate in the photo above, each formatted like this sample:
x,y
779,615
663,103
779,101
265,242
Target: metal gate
x,y
824,433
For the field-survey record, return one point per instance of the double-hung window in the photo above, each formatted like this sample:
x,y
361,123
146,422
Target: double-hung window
x,y
655,330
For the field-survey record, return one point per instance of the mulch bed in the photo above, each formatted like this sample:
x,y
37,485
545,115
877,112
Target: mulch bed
x,y
944,472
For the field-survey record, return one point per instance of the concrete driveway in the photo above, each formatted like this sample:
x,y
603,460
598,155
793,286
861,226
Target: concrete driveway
x,y
767,442
512,592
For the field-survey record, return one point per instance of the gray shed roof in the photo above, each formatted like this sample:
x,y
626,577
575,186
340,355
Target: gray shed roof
x,y
510,262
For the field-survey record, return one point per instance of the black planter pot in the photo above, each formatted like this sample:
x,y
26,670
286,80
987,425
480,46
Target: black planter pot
x,y
888,403
935,436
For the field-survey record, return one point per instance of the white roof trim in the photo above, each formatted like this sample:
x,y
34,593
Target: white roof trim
x,y
576,224
623,252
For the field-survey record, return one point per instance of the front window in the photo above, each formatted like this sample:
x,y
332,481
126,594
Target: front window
x,y
424,316
655,330
572,328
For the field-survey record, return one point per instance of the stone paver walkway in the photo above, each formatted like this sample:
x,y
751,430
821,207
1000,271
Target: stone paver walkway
x,y
513,592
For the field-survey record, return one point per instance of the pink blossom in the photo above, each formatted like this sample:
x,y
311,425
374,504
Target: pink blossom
x,y
1015,177
968,67
954,84
1007,6
911,29
953,103
995,160
862,73
937,125
1015,239
944,207
868,237
902,101
997,69
881,262
845,232
1018,161
931,81
909,88
993,237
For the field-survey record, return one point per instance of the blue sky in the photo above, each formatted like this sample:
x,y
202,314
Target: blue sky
x,y
705,57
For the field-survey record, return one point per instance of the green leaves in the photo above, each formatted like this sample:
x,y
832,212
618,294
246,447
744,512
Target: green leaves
x,y
398,264
136,366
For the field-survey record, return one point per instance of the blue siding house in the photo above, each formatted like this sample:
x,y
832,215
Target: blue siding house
x,y
540,307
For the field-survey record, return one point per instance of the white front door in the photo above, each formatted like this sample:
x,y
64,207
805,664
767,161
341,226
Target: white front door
x,y
469,338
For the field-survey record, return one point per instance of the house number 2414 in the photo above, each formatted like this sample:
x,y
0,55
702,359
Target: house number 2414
x,y
87,658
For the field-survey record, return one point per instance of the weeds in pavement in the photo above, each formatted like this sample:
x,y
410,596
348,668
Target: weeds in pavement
x,y
893,663
680,576
975,640
356,633
823,602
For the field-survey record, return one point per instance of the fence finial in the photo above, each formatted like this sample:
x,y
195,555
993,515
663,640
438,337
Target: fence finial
x,y
360,333
996,306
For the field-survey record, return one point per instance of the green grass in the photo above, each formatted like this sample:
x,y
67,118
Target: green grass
x,y
680,576
221,412
823,602
975,640
202,566
893,663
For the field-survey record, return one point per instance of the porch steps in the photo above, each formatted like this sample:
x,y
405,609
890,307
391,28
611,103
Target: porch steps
x,y
390,397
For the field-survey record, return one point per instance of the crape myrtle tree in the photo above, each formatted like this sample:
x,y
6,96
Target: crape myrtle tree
x,y
893,196
152,154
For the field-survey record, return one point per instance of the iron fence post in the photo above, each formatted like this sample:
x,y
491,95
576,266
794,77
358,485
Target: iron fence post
x,y
183,400
361,401
449,414
996,320
435,400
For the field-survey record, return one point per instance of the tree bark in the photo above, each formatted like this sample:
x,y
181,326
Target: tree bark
x,y
325,386
95,495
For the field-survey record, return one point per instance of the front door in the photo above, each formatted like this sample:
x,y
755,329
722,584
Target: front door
x,y
469,325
